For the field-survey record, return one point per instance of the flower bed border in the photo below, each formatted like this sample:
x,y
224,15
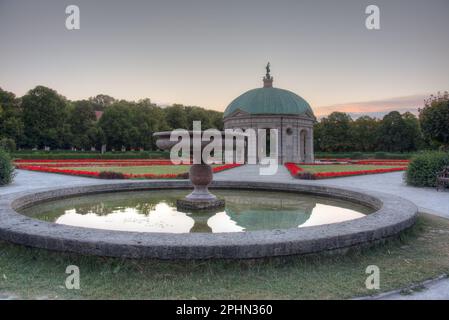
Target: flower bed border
x,y
89,160
96,174
95,162
298,172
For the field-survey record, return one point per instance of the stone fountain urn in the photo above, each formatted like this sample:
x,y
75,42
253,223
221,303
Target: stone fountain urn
x,y
201,176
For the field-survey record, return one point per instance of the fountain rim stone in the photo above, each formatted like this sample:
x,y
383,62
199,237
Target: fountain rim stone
x,y
393,215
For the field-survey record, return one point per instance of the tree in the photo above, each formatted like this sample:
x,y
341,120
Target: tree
x,y
317,136
414,132
216,119
434,119
116,124
176,117
398,133
82,119
11,124
101,102
198,114
96,137
364,134
44,116
147,118
335,132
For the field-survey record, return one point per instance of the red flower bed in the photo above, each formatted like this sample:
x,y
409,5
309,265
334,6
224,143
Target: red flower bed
x,y
56,170
382,162
293,168
324,175
91,160
226,167
96,174
156,176
298,172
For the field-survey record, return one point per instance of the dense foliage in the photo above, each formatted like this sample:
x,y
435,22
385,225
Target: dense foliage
x,y
366,155
424,168
6,168
111,175
59,155
394,133
434,118
42,118
8,144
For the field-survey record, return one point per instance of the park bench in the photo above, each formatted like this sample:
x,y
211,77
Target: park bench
x,y
443,178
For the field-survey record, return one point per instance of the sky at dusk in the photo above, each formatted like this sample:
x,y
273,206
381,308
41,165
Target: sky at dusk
x,y
207,52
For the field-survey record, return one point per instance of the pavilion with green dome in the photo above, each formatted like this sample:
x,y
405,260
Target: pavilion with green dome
x,y
275,108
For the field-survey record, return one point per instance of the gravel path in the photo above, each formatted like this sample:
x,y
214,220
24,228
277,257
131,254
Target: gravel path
x,y
33,180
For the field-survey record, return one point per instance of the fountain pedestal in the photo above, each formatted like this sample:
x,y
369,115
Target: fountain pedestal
x,y
200,199
200,175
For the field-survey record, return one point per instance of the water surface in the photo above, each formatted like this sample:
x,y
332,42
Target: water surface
x,y
155,211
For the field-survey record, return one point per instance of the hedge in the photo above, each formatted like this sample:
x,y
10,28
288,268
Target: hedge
x,y
58,155
424,168
365,155
6,168
7,144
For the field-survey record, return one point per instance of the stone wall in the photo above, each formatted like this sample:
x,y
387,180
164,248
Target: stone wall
x,y
295,133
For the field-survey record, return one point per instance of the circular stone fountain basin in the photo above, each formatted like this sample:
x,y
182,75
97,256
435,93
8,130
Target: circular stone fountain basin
x,y
390,215
156,211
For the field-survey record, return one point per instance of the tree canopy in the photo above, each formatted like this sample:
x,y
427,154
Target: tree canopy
x,y
434,118
44,118
395,133
44,113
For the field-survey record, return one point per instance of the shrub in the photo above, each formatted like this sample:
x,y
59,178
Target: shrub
x,y
305,175
434,118
6,168
423,168
61,155
8,144
380,155
184,175
111,175
398,156
357,155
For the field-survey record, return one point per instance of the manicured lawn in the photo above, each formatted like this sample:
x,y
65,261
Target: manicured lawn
x,y
155,169
420,253
342,167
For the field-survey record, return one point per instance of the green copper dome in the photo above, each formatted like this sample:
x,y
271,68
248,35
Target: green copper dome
x,y
269,100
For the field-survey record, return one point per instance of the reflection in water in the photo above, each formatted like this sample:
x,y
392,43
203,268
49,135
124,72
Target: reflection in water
x,y
161,217
155,211
221,222
325,214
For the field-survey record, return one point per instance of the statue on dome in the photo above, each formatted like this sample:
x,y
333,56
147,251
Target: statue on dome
x,y
268,70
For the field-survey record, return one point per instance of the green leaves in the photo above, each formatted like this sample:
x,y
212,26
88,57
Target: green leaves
x,y
394,133
423,168
434,118
44,115
6,168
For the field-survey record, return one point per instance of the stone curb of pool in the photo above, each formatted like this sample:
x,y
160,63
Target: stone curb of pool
x,y
393,215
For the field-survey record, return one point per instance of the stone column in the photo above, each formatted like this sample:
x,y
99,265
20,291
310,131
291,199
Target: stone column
x,y
302,145
312,150
309,146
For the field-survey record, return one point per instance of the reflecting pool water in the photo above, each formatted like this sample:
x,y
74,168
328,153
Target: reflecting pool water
x,y
155,211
